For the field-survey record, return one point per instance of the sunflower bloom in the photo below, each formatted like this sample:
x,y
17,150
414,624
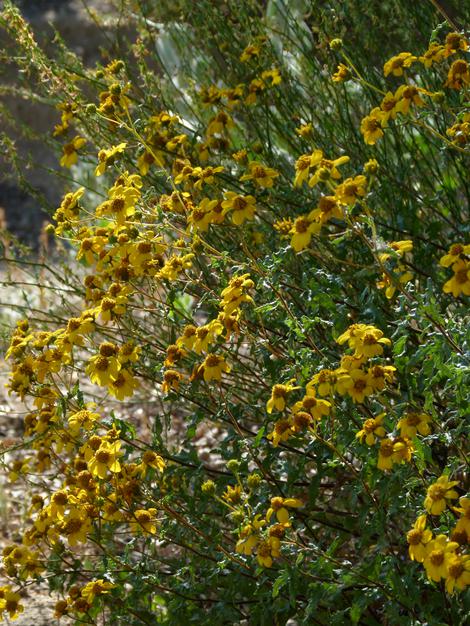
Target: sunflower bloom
x,y
105,459
279,507
278,397
371,430
418,538
70,155
439,493
436,560
458,572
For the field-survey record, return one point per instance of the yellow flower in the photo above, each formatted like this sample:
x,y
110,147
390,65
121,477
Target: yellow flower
x,y
371,429
241,156
219,123
249,536
463,523
250,52
458,75
284,227
70,156
281,432
342,74
175,266
388,109
10,602
398,63
143,521
242,207
96,588
304,131
279,506
235,293
278,397
328,208
460,281
366,340
256,86
104,366
233,494
153,460
315,407
302,230
402,450
455,42
458,572
105,458
145,160
201,216
401,275
434,54
456,251
302,167
399,247
406,95
379,375
107,157
207,335
78,326
325,381
385,460
205,176
213,367
436,560
414,423
438,493
358,386
123,385
121,203
129,353
260,174
266,550
59,501
188,338
274,75
371,127
418,537
325,169
173,355
351,190
75,526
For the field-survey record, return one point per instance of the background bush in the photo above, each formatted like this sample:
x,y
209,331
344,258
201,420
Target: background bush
x,y
265,239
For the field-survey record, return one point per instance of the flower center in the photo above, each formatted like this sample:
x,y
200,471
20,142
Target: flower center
x,y
437,557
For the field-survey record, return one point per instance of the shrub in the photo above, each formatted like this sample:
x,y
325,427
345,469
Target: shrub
x,y
266,247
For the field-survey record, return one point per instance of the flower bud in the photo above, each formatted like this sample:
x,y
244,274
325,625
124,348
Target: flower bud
x,y
208,487
336,44
438,97
371,167
253,481
233,465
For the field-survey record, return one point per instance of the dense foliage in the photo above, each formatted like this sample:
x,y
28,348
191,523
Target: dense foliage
x,y
265,239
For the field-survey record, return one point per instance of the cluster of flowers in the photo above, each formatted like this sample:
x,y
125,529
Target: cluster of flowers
x,y
349,379
443,558
259,534
400,102
199,339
